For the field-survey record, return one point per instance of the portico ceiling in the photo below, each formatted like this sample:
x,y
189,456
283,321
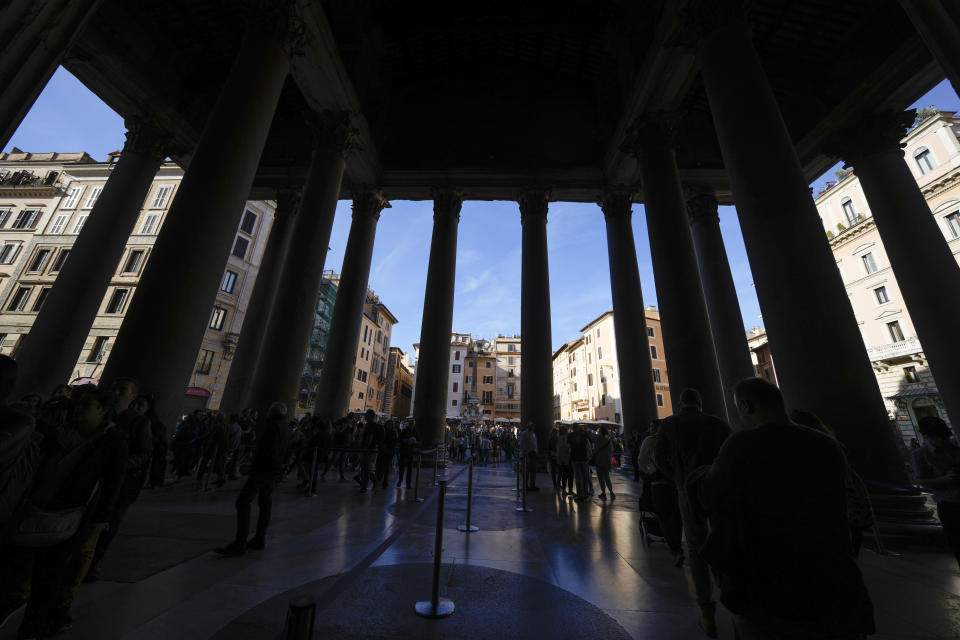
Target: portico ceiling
x,y
495,96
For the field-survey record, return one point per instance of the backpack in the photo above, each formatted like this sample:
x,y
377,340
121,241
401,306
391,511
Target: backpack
x,y
20,455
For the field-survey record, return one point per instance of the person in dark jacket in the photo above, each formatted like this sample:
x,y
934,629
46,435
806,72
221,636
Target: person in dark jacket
x,y
385,453
408,444
687,440
158,433
779,539
370,442
135,426
266,470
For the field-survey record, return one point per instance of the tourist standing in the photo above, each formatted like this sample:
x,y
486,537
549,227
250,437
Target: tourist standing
x,y
602,460
528,448
936,465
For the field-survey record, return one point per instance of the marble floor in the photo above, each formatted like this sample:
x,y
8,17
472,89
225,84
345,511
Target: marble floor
x,y
560,571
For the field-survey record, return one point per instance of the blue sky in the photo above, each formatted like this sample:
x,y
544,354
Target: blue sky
x,y
488,250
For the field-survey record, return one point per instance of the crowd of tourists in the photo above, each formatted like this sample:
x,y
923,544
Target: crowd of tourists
x,y
777,535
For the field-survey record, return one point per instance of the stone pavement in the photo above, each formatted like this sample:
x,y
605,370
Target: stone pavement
x,y
565,570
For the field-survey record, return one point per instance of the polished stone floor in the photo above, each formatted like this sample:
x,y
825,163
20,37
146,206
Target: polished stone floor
x,y
564,570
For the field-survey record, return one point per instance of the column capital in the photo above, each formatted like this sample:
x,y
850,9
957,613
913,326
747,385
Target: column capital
x,y
146,138
333,130
616,202
369,203
649,126
280,19
288,199
701,203
875,134
534,203
700,18
447,202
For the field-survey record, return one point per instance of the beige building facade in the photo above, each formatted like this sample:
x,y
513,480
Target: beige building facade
x,y
586,373
373,356
932,152
45,200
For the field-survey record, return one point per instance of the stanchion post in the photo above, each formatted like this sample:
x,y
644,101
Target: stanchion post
x,y
437,607
436,465
312,481
523,486
205,483
416,488
516,468
301,614
468,528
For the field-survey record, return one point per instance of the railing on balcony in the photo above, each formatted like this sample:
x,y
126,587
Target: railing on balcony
x,y
899,349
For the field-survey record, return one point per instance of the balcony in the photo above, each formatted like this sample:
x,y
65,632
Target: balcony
x,y
895,350
27,183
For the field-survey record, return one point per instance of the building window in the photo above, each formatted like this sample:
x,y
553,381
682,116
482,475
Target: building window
x,y
469,380
470,364
487,379
58,224
453,403
92,197
4,216
881,293
488,364
40,260
229,282
217,318
849,212
896,334
487,397
456,386
8,252
650,332
924,160
589,379
589,357
910,373
360,375
134,260
603,399
574,386
205,362
117,301
659,399
456,368
41,298
869,264
249,222
73,196
510,388
162,196
60,261
19,299
97,350
656,375
653,352
26,219
953,224
510,361
509,373
78,225
456,355
360,395
240,246
149,226
511,347
599,352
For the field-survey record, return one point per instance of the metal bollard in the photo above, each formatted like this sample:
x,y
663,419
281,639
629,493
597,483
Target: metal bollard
x,y
467,528
516,468
312,480
416,488
436,607
523,491
436,465
301,614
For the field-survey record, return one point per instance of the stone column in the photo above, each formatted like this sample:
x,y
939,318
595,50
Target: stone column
x,y
687,339
35,37
433,363
726,321
637,395
280,366
161,335
338,373
923,264
938,23
805,306
536,347
236,394
51,349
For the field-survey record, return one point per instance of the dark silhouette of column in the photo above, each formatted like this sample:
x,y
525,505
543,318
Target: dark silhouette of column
x,y
160,337
337,374
922,262
938,23
726,321
35,36
280,366
536,348
236,393
433,363
687,339
637,395
49,352
790,257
